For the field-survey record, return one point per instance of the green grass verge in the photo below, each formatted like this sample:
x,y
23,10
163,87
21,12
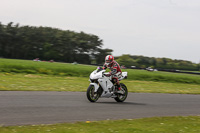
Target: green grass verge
x,y
34,67
42,82
189,124
65,69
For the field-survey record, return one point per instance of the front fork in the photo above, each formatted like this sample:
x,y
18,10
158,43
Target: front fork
x,y
96,86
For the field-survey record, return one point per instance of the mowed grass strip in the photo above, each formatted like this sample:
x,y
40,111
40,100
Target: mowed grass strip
x,y
181,124
66,69
42,82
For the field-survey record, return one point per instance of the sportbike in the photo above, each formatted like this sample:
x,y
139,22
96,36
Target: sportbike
x,y
102,86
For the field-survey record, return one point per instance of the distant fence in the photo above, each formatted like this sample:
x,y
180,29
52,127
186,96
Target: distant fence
x,y
178,71
159,69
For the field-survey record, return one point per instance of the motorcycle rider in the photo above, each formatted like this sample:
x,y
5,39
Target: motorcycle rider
x,y
115,72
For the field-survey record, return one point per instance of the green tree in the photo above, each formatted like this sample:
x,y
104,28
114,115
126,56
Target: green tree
x,y
28,42
126,60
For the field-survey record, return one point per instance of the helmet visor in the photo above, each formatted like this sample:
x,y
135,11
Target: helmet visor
x,y
108,62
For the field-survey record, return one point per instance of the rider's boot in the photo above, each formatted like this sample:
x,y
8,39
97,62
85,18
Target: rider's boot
x,y
119,89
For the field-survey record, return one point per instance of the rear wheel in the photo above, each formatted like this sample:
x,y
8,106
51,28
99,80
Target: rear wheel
x,y
122,97
91,95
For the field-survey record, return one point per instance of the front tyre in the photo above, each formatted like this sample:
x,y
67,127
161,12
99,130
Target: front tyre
x,y
91,95
122,97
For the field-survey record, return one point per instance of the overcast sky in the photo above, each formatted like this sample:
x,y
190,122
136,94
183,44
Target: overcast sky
x,y
155,28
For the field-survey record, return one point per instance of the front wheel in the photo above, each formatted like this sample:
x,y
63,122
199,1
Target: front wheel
x,y
122,97
91,95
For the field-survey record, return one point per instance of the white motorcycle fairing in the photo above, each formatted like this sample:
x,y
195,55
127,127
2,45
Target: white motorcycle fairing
x,y
124,76
105,82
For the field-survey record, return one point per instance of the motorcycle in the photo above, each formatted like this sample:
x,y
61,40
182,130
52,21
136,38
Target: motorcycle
x,y
103,86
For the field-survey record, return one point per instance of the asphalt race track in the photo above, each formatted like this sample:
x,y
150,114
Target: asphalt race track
x,y
37,107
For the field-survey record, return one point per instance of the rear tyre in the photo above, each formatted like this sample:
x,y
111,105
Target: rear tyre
x,y
91,95
122,97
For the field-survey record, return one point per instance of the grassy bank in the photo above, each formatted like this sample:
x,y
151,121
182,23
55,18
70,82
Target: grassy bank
x,y
189,124
35,67
42,82
65,69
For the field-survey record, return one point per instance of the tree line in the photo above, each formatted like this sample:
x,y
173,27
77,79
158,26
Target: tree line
x,y
46,43
159,63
